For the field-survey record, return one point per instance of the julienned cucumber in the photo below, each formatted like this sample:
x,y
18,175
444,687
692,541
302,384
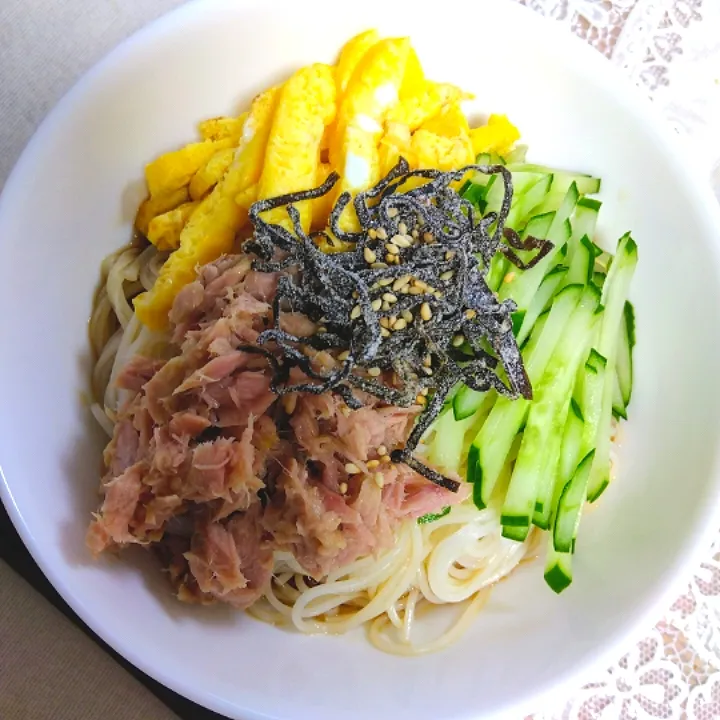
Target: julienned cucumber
x,y
542,299
570,505
491,446
624,356
532,482
586,184
558,568
521,288
614,297
541,459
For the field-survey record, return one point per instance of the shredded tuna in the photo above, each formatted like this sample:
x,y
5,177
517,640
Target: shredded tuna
x,y
215,472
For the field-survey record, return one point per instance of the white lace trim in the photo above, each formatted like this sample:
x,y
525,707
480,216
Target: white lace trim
x,y
671,49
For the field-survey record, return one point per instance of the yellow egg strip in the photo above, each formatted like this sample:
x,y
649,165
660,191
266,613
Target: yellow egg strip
x,y
352,53
306,105
174,170
499,135
371,92
211,230
210,175
218,128
153,206
164,230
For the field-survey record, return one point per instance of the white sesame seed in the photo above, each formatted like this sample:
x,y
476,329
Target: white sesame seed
x,y
407,316
369,255
447,275
381,234
372,234
385,282
392,249
356,312
376,304
458,340
344,355
379,479
382,450
372,464
374,371
428,237
400,324
392,212
351,469
470,314
385,332
402,228
425,312
415,290
389,297
378,266
343,487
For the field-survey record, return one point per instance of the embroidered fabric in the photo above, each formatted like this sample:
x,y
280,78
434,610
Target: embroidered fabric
x,y
671,50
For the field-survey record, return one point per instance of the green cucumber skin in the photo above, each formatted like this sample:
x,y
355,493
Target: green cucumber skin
x,y
536,466
570,505
467,402
614,298
558,570
494,439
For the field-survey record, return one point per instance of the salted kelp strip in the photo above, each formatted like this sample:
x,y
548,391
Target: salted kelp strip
x,y
402,309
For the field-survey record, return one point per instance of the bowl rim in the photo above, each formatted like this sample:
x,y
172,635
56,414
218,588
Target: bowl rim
x,y
690,172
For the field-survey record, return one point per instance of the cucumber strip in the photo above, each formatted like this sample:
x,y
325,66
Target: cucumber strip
x,y
582,264
517,154
591,395
536,466
598,279
558,568
529,202
584,221
538,226
586,184
618,404
571,445
522,182
490,447
446,449
524,285
467,402
624,368
551,282
614,297
570,506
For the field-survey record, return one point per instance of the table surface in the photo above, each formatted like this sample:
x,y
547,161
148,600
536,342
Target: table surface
x,y
671,48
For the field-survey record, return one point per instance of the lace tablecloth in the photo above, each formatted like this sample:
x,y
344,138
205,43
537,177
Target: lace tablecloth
x,y
671,49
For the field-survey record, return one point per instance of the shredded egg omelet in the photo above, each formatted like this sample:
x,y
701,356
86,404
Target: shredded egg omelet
x,y
357,118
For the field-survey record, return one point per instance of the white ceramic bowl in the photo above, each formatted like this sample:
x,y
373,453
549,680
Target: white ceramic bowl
x,y
70,201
